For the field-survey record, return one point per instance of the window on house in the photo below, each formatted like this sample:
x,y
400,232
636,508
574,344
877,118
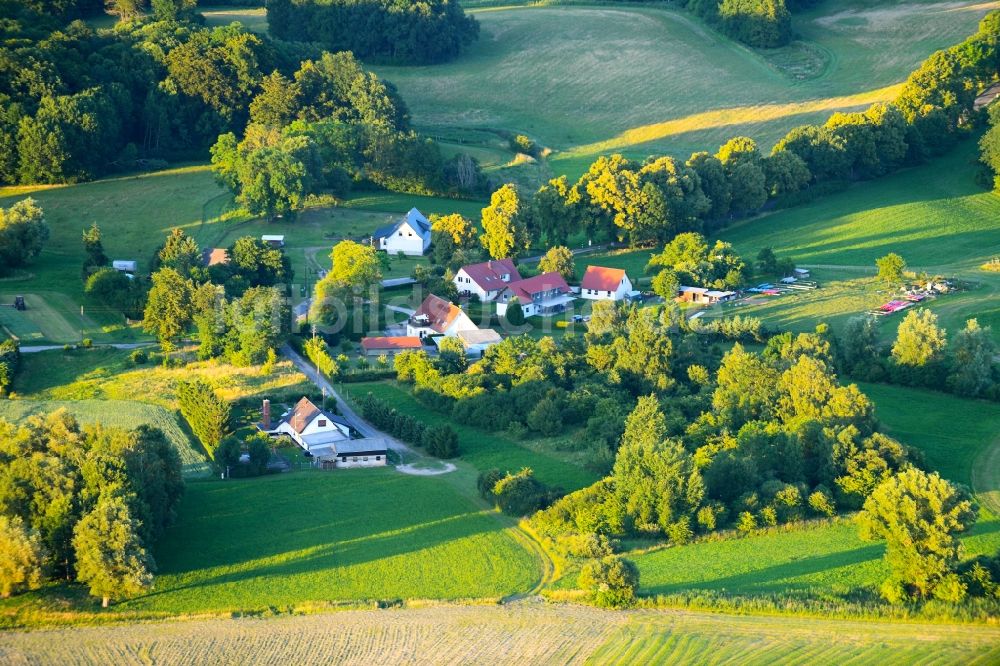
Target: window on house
x,y
378,457
354,459
366,458
343,459
321,423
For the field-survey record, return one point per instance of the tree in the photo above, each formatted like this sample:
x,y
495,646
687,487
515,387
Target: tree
x,y
21,556
555,210
558,259
666,285
110,556
168,309
890,268
519,494
919,341
505,234
452,237
514,314
972,353
546,418
93,246
918,515
611,581
116,290
125,10
277,103
655,479
355,270
180,252
23,233
858,351
785,173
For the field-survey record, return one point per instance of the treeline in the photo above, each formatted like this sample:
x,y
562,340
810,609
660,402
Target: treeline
x,y
440,440
84,504
206,413
923,355
395,32
649,203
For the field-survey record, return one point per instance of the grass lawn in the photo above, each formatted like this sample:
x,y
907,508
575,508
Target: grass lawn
x,y
485,450
290,539
117,414
658,80
953,433
253,19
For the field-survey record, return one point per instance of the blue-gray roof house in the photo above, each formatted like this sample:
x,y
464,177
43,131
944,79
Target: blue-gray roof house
x,y
410,235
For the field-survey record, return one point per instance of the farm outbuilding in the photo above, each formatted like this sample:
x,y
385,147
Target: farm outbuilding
x,y
390,345
704,295
274,240
125,265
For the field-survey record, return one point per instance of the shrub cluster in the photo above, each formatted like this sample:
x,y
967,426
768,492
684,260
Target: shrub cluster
x,y
412,34
10,361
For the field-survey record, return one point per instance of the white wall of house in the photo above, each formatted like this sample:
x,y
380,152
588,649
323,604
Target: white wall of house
x,y
466,285
623,290
377,460
405,239
530,309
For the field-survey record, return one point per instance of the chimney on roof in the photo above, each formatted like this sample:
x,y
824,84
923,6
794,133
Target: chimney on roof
x,y
266,419
489,264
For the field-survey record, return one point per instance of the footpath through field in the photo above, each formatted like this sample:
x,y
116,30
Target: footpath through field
x,y
418,467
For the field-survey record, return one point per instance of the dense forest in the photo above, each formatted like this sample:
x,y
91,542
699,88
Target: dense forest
x,y
758,23
383,30
77,104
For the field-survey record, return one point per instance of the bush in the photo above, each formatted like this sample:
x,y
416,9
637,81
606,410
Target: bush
x,y
86,343
138,357
441,441
486,482
611,581
520,494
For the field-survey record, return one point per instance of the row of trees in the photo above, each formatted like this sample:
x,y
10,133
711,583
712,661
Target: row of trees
x,y
440,440
652,202
206,413
922,355
403,33
759,23
83,504
10,362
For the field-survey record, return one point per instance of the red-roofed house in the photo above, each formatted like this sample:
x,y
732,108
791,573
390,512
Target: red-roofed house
x,y
215,256
543,294
600,283
486,280
436,316
376,346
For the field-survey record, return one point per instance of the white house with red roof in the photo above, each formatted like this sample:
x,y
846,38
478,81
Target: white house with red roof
x,y
608,284
324,436
544,294
436,316
486,280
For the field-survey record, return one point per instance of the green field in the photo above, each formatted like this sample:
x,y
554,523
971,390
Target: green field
x,y
830,560
116,414
589,80
290,539
514,634
485,450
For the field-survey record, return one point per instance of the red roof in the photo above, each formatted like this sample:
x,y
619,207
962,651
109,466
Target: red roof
x,y
489,274
525,289
600,278
439,312
391,343
216,255
303,414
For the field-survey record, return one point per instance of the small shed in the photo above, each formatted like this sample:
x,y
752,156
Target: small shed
x,y
479,340
125,265
801,273
274,240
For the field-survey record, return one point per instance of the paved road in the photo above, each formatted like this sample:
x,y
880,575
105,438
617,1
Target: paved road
x,y
401,310
366,429
117,345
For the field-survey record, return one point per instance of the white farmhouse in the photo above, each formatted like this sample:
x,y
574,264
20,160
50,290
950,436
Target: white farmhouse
x,y
486,280
600,283
410,235
325,437
436,316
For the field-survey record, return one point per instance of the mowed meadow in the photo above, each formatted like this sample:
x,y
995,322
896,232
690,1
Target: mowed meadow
x,y
586,80
514,634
